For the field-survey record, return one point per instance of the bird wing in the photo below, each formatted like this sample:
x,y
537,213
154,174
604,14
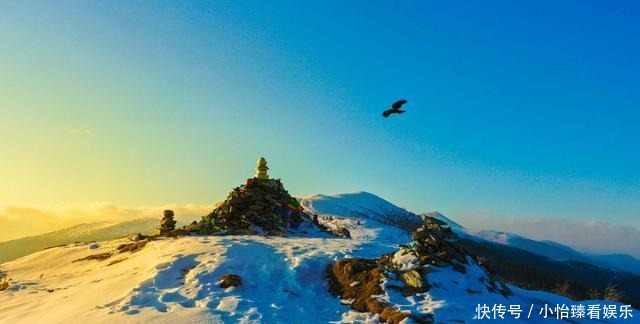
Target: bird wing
x,y
398,104
386,113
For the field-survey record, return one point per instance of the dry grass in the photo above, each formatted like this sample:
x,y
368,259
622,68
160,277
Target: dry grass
x,y
98,257
132,247
116,261
4,285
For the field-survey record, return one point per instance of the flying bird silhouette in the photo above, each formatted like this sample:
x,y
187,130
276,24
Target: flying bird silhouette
x,y
395,108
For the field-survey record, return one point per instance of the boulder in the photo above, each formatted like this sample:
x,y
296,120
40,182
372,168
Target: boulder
x,y
414,283
229,280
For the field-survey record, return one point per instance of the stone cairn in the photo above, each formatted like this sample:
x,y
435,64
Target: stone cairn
x,y
260,206
434,245
167,224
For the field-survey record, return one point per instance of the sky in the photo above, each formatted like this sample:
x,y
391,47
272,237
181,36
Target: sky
x,y
517,110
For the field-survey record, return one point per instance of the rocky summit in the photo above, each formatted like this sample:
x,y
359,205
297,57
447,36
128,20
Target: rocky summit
x,y
261,206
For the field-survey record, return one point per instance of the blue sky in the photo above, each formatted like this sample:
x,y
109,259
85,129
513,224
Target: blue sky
x,y
516,109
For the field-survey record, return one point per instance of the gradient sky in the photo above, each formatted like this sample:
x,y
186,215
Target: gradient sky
x,y
516,109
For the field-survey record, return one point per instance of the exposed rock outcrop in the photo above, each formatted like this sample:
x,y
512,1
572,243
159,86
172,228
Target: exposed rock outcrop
x,y
229,280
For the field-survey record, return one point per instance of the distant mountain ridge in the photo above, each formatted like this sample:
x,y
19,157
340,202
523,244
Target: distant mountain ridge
x,y
560,252
362,204
550,249
101,231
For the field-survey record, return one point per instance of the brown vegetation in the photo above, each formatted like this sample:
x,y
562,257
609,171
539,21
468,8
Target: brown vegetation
x,y
132,247
4,281
99,257
612,293
116,261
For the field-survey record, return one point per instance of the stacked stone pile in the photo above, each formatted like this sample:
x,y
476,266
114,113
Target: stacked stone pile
x,y
167,224
260,203
432,243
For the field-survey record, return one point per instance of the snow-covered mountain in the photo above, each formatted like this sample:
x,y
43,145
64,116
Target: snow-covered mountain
x,y
361,205
176,280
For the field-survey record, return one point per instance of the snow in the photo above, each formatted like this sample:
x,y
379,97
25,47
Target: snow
x,y
175,280
282,278
405,260
361,318
454,297
359,205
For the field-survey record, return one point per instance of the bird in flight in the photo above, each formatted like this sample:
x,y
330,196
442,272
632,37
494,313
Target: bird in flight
x,y
395,108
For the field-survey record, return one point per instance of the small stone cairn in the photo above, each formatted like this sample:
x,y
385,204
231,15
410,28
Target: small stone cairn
x,y
167,224
432,243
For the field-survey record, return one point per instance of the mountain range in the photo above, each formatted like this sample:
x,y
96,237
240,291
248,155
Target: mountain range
x,y
118,278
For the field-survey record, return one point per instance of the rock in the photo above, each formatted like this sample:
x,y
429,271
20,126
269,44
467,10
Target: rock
x,y
229,280
343,233
414,283
193,227
167,224
137,237
359,265
419,235
261,202
433,220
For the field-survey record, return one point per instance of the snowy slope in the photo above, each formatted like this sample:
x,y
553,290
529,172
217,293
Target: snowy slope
x,y
283,280
455,297
175,280
361,205
13,249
